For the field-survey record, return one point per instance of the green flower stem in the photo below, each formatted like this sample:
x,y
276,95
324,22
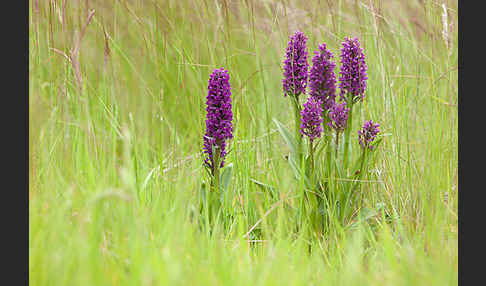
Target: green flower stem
x,y
297,109
347,132
311,154
328,158
325,120
337,142
362,161
361,168
216,164
328,138
212,196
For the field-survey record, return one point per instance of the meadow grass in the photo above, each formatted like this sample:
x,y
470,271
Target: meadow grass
x,y
115,138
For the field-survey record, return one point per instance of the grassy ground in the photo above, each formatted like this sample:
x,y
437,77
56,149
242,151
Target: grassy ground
x,y
117,110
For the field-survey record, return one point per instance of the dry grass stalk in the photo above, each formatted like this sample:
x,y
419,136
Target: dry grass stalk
x,y
446,28
73,56
63,12
107,49
332,12
74,52
36,7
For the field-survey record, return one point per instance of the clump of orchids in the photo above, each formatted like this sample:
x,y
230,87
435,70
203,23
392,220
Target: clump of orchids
x,y
323,120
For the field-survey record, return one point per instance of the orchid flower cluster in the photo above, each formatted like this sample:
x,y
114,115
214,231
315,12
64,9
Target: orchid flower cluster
x,y
219,126
322,106
323,114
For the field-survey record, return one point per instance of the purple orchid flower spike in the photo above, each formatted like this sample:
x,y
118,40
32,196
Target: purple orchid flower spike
x,y
219,117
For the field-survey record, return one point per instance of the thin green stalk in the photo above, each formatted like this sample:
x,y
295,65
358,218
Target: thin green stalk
x,y
311,154
347,132
337,141
215,177
325,121
206,209
360,170
328,136
360,174
362,162
297,109
214,192
328,160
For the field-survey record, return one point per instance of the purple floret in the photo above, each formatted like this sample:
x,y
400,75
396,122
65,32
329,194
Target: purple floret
x,y
295,65
311,118
339,117
368,134
322,81
353,69
219,115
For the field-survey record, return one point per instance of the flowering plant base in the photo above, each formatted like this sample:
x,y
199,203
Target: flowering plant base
x,y
215,201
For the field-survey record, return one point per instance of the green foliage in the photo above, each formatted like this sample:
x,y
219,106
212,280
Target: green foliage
x,y
115,172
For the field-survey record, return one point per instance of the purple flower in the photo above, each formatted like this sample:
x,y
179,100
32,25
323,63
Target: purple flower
x,y
339,116
353,69
295,65
219,116
311,118
368,133
322,79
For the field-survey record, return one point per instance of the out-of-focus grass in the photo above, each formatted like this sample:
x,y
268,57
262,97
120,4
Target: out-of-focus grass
x,y
114,163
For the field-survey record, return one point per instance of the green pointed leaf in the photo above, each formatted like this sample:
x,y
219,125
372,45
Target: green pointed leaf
x,y
295,165
357,165
226,177
148,177
322,146
262,185
339,168
266,188
202,193
207,169
376,143
289,139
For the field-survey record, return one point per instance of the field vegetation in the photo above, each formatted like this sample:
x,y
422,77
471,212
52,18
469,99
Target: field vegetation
x,y
117,94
